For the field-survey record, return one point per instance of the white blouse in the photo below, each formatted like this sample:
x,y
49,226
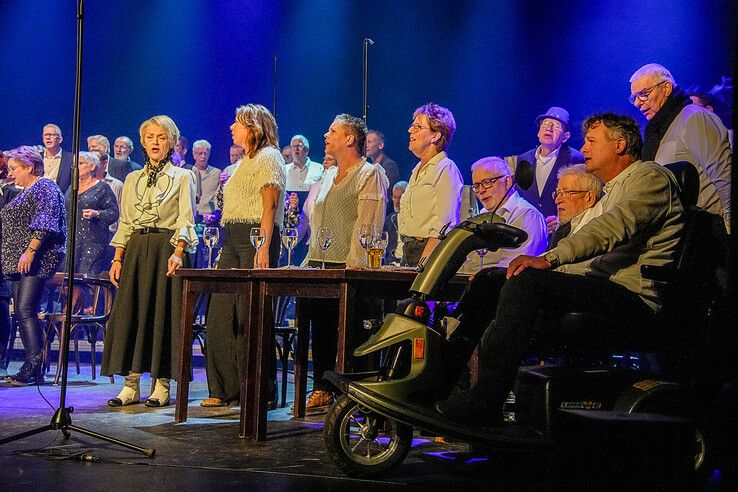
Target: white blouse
x,y
169,204
432,198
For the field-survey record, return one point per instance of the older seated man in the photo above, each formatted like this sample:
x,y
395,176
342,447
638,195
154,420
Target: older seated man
x,y
596,270
493,184
576,192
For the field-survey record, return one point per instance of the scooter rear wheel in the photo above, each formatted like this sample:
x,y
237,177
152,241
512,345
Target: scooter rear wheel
x,y
362,443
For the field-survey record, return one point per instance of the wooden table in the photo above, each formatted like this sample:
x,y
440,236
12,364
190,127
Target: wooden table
x,y
257,287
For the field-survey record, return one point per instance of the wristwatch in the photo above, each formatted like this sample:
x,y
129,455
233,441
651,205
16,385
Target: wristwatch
x,y
552,258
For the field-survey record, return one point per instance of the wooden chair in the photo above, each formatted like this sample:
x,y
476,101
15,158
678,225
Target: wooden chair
x,y
101,292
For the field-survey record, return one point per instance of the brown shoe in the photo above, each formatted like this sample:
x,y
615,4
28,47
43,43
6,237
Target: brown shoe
x,y
318,400
213,402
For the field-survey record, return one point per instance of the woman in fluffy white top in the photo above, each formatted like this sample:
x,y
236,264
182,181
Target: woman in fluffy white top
x,y
253,197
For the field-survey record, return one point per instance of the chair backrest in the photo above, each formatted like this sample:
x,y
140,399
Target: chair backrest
x,y
97,289
689,181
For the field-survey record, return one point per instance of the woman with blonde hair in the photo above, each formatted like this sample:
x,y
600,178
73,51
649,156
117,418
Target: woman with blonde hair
x,y
155,232
253,197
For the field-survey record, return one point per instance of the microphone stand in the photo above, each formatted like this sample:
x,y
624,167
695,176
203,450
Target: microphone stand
x,y
274,89
61,420
365,103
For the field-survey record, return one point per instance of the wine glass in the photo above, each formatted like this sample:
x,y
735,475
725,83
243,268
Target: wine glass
x,y
210,235
257,237
289,241
482,252
324,238
366,233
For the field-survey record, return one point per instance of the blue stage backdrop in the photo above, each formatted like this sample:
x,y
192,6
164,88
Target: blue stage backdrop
x,y
497,65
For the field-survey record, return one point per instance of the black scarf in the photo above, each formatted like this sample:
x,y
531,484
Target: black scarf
x,y
656,128
153,171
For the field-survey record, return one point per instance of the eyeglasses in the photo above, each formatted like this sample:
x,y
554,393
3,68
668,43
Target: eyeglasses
x,y
644,94
485,183
50,135
566,193
553,124
415,128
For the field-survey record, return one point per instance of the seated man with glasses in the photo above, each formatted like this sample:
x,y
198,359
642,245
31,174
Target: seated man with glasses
x,y
679,130
492,182
550,156
577,192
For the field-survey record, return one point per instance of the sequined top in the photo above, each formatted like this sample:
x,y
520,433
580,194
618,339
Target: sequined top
x,y
36,213
168,204
93,234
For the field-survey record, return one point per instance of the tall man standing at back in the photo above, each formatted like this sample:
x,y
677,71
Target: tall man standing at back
x,y
547,159
679,130
375,151
57,163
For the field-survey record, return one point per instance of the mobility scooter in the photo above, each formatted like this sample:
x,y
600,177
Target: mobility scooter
x,y
369,429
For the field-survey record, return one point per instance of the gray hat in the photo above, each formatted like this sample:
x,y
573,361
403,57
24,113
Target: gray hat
x,y
556,113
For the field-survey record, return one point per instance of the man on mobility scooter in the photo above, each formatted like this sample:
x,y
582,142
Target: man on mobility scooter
x,y
596,270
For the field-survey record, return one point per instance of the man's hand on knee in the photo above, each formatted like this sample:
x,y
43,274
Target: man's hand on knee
x,y
523,262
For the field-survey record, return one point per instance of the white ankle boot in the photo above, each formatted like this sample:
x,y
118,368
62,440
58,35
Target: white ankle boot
x,y
131,392
160,396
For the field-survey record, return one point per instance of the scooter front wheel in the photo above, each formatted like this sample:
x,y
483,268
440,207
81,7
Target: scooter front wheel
x,y
363,443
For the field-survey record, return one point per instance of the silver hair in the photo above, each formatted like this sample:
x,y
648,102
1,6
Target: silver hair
x,y
126,140
587,181
493,163
400,185
201,143
302,139
99,138
658,72
90,158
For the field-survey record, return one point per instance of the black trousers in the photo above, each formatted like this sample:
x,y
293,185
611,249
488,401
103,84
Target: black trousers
x,y
226,319
27,290
526,300
412,250
321,315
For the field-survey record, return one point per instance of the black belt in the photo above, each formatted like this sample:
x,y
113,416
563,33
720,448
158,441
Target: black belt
x,y
152,230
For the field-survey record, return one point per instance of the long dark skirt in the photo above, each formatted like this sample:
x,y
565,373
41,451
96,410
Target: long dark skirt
x,y
226,319
143,329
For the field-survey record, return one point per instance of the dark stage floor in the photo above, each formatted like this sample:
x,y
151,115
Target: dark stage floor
x,y
206,451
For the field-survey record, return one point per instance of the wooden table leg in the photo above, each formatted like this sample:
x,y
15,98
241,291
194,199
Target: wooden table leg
x,y
301,359
346,303
247,386
263,360
187,317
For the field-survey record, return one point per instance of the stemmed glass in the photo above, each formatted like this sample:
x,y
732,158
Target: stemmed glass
x,y
210,236
366,233
481,252
258,238
324,238
377,246
289,241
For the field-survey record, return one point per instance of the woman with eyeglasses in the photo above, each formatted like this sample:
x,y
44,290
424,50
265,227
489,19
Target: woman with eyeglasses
x,y
432,198
33,246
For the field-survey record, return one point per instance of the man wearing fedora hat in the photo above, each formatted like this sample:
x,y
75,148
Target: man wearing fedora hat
x,y
550,156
